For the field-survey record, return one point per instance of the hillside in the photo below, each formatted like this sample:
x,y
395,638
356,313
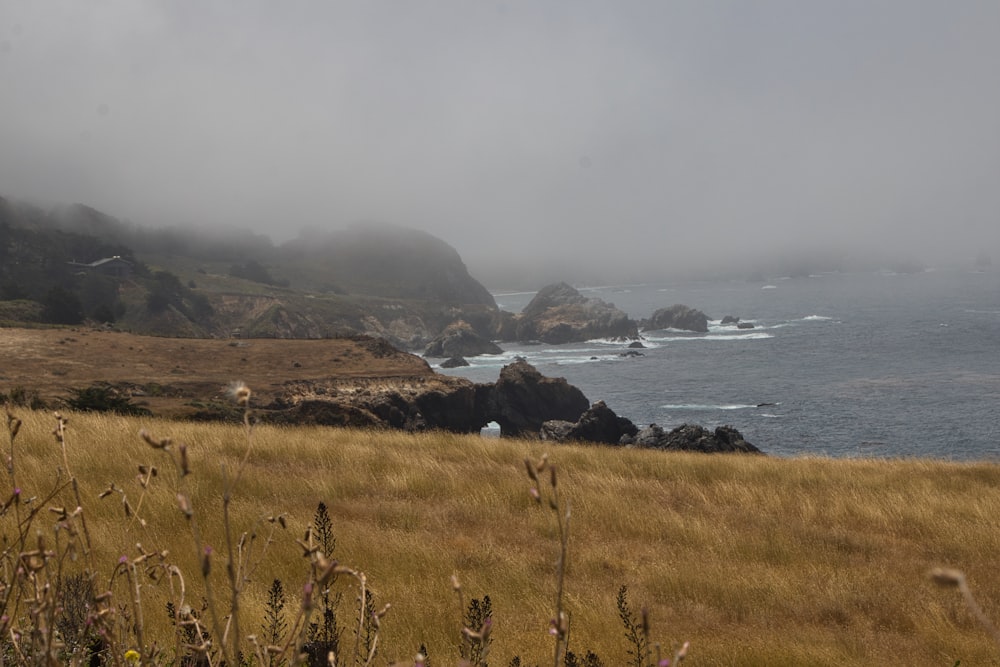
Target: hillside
x,y
71,264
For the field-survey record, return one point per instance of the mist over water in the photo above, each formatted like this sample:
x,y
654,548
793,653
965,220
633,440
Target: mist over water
x,y
844,365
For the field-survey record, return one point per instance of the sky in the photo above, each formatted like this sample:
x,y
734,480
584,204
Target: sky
x,y
594,138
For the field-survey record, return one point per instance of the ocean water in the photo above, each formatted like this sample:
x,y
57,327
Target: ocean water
x,y
841,365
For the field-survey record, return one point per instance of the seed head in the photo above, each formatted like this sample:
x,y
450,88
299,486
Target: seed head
x,y
947,577
240,392
206,561
531,470
155,443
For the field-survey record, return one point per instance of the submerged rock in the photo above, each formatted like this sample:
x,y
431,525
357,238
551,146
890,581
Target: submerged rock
x,y
454,362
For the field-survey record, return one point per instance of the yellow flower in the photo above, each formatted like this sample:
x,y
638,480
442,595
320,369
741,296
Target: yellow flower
x,y
132,657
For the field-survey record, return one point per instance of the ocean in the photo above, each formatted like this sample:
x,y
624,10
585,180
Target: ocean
x,y
839,364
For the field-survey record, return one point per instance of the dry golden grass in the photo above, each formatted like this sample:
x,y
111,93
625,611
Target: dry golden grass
x,y
754,560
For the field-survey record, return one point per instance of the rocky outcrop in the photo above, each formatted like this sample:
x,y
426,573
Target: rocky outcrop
x,y
460,340
691,437
560,314
523,399
598,424
677,316
407,403
520,401
454,362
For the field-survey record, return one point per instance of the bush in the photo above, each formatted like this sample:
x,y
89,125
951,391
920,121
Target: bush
x,y
104,398
60,306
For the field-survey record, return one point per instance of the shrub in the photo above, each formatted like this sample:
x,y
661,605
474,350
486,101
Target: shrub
x,y
60,306
104,398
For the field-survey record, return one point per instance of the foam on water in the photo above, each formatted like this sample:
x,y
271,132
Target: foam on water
x,y
699,406
753,335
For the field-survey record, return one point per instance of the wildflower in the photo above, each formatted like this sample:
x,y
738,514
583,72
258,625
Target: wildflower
x,y
132,656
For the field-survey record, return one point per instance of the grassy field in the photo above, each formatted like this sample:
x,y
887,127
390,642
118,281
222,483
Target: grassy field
x,y
753,560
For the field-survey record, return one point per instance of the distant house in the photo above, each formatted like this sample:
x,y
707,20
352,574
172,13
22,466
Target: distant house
x,y
115,267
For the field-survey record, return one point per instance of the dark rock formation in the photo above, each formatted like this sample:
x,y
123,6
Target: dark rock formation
x,y
691,437
454,362
460,340
560,314
631,353
732,319
523,399
411,404
598,424
678,316
636,345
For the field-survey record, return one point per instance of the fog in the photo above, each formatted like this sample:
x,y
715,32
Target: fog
x,y
599,140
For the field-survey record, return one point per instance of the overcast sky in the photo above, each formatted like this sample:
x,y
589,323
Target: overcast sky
x,y
600,133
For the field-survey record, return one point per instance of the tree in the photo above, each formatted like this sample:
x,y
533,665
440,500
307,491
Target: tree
x,y
62,307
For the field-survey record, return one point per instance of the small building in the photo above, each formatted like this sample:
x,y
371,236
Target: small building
x,y
114,267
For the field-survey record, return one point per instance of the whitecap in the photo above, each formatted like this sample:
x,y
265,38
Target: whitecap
x,y
706,406
754,335
758,335
816,318
769,287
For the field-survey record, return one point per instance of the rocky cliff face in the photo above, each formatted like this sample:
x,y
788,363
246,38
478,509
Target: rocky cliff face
x,y
560,314
523,399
